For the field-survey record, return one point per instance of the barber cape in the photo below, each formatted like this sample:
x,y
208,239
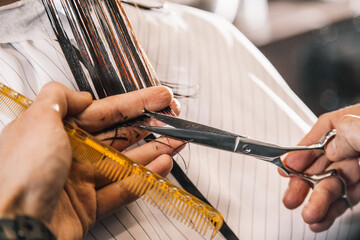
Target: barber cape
x,y
233,87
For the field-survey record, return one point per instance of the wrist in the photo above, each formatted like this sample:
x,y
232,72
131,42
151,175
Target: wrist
x,y
21,200
24,227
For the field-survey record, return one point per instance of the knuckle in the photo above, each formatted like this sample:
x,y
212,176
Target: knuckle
x,y
332,189
53,86
157,146
349,121
160,146
141,98
115,113
324,117
348,127
53,90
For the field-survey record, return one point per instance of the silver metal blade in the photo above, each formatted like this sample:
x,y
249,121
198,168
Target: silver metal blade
x,y
219,141
185,124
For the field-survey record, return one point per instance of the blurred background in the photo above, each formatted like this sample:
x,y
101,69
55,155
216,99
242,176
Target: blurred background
x,y
314,44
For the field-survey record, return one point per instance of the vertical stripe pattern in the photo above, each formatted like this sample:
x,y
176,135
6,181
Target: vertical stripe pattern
x,y
232,87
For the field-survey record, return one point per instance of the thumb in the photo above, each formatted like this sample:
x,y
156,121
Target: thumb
x,y
69,102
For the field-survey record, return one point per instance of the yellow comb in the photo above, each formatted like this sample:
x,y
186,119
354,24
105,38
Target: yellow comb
x,y
136,178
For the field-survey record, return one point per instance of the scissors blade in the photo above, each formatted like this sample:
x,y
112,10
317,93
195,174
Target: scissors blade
x,y
216,138
185,124
209,139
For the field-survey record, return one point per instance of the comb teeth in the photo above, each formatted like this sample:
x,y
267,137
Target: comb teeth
x,y
143,183
12,103
118,168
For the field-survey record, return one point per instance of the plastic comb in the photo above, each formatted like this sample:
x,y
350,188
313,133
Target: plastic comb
x,y
136,178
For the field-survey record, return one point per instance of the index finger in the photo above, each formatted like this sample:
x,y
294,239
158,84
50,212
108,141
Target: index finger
x,y
300,160
119,108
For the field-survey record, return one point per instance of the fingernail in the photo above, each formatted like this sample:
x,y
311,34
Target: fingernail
x,y
331,148
309,213
170,90
285,195
86,94
176,107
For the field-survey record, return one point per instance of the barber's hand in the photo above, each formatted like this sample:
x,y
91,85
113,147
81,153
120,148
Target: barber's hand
x,y
38,177
342,154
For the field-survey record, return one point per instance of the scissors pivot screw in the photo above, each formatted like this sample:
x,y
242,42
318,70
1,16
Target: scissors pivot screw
x,y
246,149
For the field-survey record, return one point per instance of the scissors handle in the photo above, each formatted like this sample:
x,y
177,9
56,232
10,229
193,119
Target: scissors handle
x,y
315,178
268,151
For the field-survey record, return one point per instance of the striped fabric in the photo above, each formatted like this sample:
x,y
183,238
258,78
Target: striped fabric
x,y
232,87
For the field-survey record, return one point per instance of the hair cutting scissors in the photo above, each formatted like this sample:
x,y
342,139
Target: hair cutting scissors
x,y
212,137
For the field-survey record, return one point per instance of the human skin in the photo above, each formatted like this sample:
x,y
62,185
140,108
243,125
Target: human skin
x,y
40,179
342,154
